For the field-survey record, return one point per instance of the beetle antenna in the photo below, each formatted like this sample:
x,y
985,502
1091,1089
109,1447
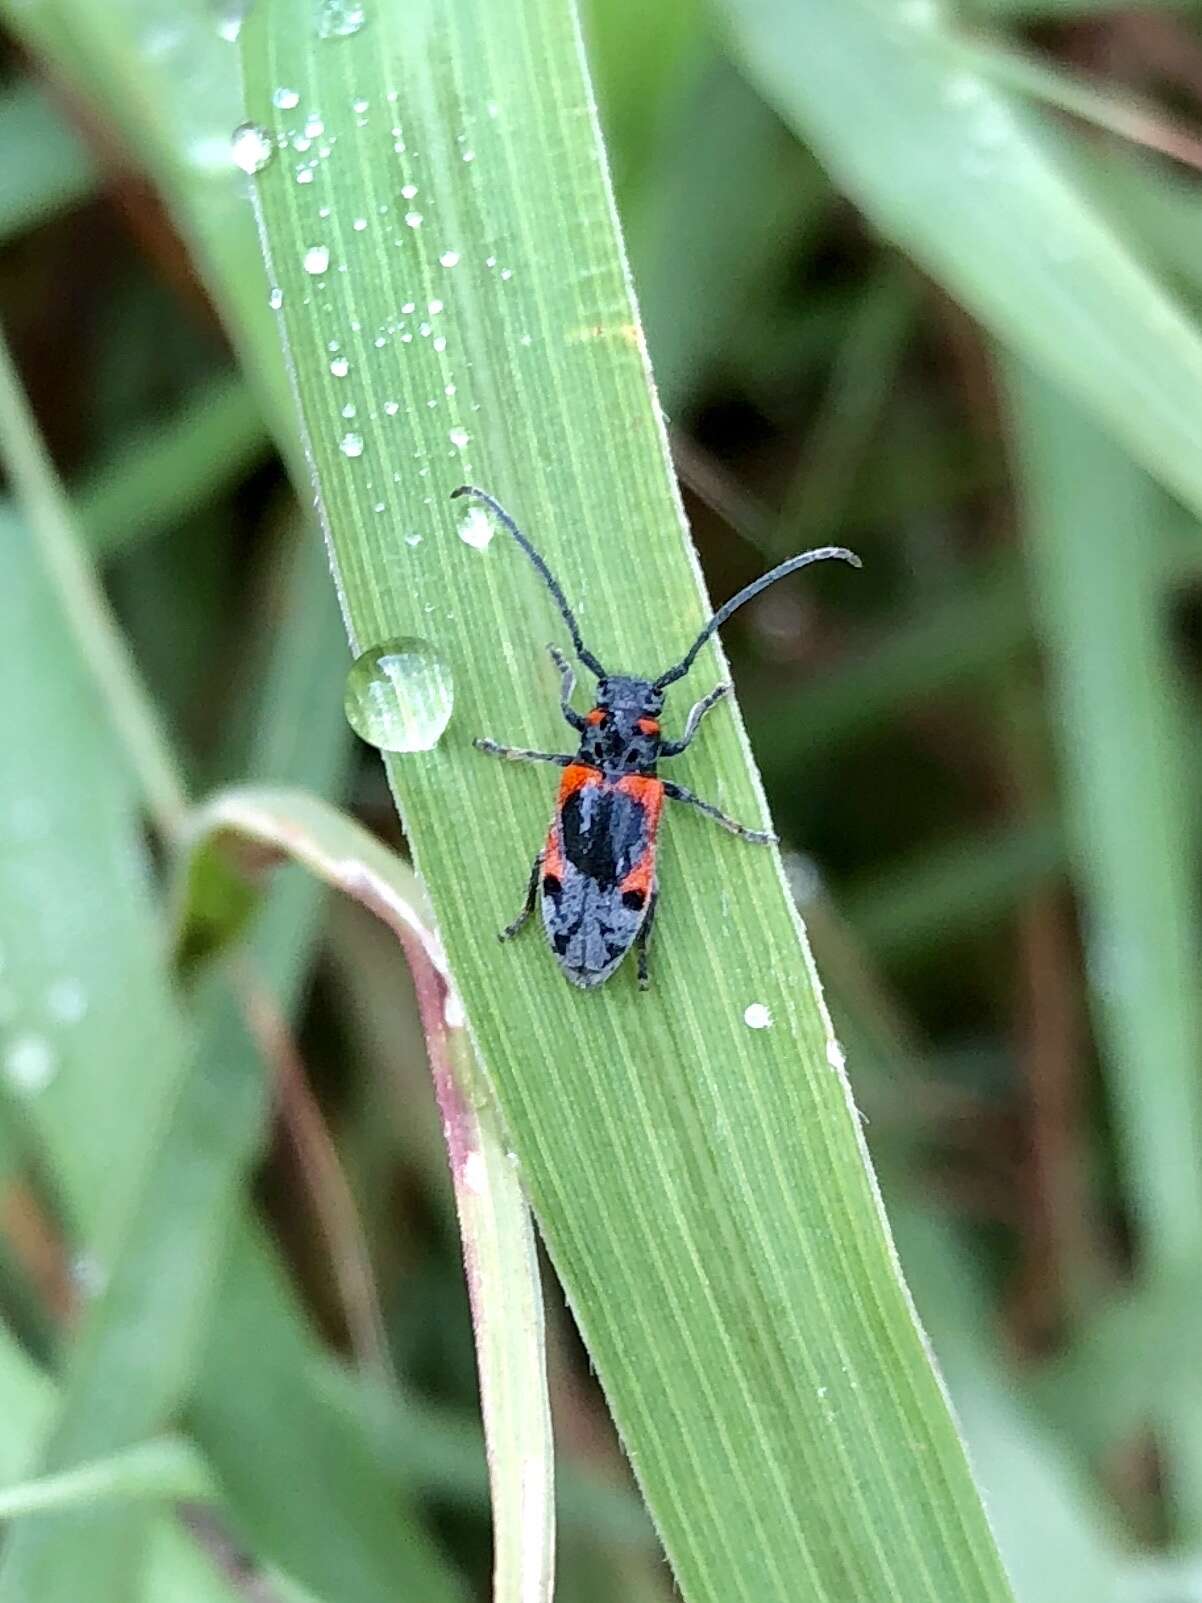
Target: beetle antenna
x,y
548,578
746,594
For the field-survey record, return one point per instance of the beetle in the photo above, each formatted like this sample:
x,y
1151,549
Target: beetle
x,y
595,873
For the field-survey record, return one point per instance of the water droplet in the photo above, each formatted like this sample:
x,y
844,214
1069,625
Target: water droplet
x,y
67,1000
251,147
449,258
276,299
304,175
359,106
348,411
756,1016
460,438
351,444
434,307
285,99
29,1063
469,155
392,408
399,695
314,128
476,528
359,224
338,19
440,343
316,259
413,540
414,219
88,1274
340,367
834,1055
408,191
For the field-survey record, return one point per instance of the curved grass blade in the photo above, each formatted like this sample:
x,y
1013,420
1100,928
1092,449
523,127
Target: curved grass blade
x,y
494,1220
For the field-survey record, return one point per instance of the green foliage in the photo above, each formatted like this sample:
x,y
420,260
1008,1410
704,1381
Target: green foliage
x,y
905,286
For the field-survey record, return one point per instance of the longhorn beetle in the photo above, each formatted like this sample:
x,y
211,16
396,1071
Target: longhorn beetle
x,y
596,871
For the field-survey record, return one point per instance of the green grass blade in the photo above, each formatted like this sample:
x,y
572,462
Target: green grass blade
x,y
1097,557
167,1469
701,1185
48,168
957,172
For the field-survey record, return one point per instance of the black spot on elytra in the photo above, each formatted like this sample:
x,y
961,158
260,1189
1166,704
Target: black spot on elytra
x,y
633,899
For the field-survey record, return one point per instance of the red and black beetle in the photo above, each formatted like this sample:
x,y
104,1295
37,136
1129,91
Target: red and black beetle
x,y
596,870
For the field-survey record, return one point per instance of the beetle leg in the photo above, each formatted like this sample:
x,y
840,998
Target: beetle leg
x,y
567,683
673,748
640,941
510,930
760,837
519,754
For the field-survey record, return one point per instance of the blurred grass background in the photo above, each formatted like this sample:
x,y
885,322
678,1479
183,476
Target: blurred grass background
x,y
981,760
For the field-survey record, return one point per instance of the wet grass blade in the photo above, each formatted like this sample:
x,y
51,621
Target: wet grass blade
x,y
456,306
906,118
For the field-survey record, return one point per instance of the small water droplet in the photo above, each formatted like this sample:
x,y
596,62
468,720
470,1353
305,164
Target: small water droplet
x,y
29,1063
469,155
339,19
460,438
434,307
314,128
351,444
834,1055
316,259
340,367
359,224
88,1274
348,411
408,191
399,695
251,147
756,1016
285,99
440,343
304,175
359,106
276,299
414,219
67,1000
476,528
392,408
413,540
449,258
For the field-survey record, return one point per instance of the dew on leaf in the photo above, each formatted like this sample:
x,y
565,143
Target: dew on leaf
x,y
251,147
339,19
399,695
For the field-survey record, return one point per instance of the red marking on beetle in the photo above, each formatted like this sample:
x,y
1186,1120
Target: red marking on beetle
x,y
575,777
641,876
647,791
648,726
553,854
597,716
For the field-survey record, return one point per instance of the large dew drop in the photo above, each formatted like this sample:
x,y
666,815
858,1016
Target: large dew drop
x,y
338,19
251,147
399,695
